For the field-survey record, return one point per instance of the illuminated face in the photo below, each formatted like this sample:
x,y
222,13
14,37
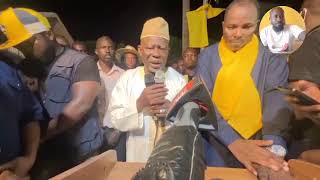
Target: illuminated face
x,y
239,26
154,52
190,58
39,46
105,51
130,60
277,19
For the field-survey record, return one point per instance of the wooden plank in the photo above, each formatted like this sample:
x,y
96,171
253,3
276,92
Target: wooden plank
x,y
105,167
229,174
125,171
303,170
96,168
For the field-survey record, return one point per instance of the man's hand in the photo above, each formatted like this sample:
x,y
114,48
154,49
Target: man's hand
x,y
19,166
249,152
152,95
312,156
8,175
265,173
302,111
311,112
161,110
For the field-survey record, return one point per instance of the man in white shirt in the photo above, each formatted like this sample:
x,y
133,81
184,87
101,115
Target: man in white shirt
x,y
280,37
134,107
109,74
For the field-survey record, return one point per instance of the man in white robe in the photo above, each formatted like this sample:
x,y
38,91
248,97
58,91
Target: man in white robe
x,y
134,107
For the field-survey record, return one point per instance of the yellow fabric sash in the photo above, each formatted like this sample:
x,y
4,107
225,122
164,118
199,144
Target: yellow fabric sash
x,y
235,93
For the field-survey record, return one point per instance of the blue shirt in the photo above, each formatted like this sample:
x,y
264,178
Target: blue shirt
x,y
18,107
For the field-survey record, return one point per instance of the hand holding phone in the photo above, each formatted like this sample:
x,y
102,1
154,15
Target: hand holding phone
x,y
303,99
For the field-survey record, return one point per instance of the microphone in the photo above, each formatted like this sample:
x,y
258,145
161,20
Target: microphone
x,y
157,78
160,78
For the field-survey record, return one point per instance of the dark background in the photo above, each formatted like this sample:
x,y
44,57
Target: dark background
x,y
123,20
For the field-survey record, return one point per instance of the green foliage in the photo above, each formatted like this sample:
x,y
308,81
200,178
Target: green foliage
x,y
175,49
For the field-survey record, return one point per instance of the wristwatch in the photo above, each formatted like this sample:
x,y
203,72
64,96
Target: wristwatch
x,y
277,150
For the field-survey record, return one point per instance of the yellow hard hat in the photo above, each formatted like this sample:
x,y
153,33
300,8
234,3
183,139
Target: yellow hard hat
x,y
19,24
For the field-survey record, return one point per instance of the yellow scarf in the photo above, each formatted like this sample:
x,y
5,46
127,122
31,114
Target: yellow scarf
x,y
235,93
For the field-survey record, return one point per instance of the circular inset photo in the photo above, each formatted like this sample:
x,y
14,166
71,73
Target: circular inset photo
x,y
282,30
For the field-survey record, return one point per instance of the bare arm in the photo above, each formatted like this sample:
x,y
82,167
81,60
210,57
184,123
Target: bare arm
x,y
21,165
31,134
83,95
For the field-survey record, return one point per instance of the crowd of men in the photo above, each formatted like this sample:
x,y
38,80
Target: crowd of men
x,y
60,106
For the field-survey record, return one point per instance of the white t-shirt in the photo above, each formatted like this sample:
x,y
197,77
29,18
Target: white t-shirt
x,y
280,42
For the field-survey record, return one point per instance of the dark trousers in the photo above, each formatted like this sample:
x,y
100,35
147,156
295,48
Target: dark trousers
x,y
119,144
304,135
53,160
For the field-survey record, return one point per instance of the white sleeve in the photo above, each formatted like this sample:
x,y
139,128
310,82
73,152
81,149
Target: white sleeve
x,y
263,36
182,83
296,30
124,115
175,85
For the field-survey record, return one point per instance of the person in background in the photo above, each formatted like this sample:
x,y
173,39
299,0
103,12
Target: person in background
x,y
109,74
128,57
190,60
180,65
304,75
61,40
80,47
174,65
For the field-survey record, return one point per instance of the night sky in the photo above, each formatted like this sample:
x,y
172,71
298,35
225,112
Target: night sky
x,y
121,20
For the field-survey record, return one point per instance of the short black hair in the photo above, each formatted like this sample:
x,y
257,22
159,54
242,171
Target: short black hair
x,y
107,38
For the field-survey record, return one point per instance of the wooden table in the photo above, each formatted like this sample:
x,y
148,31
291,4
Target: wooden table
x,y
106,167
124,171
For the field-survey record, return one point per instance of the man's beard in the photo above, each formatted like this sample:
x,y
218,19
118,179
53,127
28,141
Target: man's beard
x,y
108,62
192,66
48,55
278,28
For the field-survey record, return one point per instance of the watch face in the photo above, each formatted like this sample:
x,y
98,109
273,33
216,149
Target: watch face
x,y
278,150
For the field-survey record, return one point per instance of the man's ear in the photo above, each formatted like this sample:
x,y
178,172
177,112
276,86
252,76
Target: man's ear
x,y
50,35
95,51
